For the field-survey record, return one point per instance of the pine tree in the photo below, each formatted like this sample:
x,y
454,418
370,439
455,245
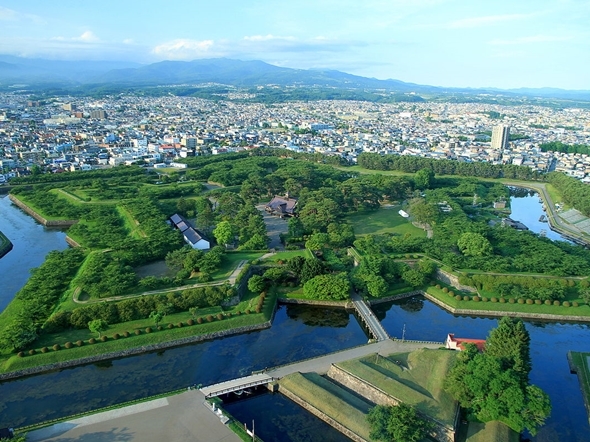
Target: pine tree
x,y
510,342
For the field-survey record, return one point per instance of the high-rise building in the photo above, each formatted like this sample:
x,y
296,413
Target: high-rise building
x,y
500,137
98,114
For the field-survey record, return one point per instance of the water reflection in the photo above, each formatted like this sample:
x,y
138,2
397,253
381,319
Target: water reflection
x,y
319,316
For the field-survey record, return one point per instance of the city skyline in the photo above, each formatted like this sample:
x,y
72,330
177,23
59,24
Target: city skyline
x,y
436,42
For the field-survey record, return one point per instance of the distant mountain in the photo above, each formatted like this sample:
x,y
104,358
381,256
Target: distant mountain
x,y
229,72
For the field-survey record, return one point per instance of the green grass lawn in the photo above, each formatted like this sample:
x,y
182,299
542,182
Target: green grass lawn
x,y
230,262
493,431
344,407
414,378
384,220
131,224
283,256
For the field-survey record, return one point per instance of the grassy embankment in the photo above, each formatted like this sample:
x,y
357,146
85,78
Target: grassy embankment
x,y
581,361
494,431
414,378
5,245
231,319
335,402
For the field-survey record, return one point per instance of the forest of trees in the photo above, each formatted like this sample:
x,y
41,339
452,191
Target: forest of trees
x,y
574,192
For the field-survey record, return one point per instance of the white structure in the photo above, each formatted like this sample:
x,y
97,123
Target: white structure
x,y
191,236
500,137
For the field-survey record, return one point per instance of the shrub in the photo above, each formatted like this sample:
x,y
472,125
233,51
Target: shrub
x,y
566,303
148,330
92,341
209,318
258,309
68,345
466,298
170,326
116,336
126,334
556,302
475,298
451,293
538,302
56,347
228,314
494,299
239,312
137,332
247,311
199,320
575,304
511,300
190,322
104,338
21,354
529,301
438,286
520,300
220,316
32,351
180,324
502,300
484,299
547,302
445,290
44,350
159,328
458,297
79,343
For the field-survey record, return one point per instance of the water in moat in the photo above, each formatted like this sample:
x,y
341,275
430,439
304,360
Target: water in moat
x,y
297,333
31,242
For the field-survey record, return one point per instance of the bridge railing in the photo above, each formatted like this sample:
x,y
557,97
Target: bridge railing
x,y
238,387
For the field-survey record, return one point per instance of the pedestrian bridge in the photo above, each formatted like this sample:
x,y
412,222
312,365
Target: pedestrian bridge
x,y
368,318
236,385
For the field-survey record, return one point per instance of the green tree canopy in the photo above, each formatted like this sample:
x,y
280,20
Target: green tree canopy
x,y
330,287
400,423
474,244
98,326
223,233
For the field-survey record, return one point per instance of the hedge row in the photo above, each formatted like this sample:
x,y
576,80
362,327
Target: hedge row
x,y
503,300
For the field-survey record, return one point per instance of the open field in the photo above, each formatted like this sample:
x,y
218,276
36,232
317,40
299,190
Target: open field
x,y
230,262
288,255
493,431
344,407
384,220
414,378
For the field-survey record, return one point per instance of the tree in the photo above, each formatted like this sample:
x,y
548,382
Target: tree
x,y
423,212
317,241
510,342
193,312
156,317
311,267
474,244
413,277
223,233
18,335
424,178
98,326
400,423
376,285
330,287
256,283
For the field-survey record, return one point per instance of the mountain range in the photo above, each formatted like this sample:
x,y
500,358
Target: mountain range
x,y
24,71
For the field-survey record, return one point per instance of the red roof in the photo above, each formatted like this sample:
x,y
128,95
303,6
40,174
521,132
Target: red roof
x,y
479,343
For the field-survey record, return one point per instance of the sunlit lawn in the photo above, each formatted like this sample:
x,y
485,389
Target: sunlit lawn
x,y
384,220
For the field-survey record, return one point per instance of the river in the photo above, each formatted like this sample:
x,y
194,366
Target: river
x,y
297,333
31,242
526,208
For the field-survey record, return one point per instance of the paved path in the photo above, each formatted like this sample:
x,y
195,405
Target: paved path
x,y
369,318
236,384
178,418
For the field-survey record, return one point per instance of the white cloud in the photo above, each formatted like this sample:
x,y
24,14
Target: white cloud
x,y
530,39
268,37
85,37
473,22
15,16
184,49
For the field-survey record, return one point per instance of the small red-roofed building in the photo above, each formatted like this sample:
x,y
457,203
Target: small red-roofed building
x,y
453,343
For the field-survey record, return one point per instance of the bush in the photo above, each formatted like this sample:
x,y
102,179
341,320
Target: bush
x,y
170,326
520,300
190,322
458,297
475,298
68,345
44,350
116,336
502,300
438,286
148,330
451,293
566,303
220,316
538,302
137,332
575,304
445,290
21,354
199,320
56,347
247,311
209,318
511,300
547,302
466,298
180,324
79,343
104,338
529,301
32,351
92,341
159,328
494,299
556,302
126,334
484,299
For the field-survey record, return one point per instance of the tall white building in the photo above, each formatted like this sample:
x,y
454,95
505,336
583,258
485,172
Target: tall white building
x,y
500,137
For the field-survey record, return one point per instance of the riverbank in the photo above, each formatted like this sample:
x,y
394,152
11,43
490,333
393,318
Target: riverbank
x,y
5,245
580,365
38,217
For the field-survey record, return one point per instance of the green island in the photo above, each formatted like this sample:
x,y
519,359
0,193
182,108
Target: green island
x,y
385,229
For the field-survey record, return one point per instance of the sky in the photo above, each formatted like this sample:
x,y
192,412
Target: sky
x,y
454,43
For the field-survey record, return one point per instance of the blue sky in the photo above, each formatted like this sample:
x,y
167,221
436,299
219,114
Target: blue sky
x,y
470,43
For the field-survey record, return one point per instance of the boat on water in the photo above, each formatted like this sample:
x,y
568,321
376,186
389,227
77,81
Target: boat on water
x,y
543,219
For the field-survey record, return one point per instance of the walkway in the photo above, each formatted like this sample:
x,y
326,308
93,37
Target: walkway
x,y
236,385
369,318
175,418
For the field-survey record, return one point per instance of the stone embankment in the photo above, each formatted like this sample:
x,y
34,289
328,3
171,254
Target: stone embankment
x,y
133,351
341,304
47,223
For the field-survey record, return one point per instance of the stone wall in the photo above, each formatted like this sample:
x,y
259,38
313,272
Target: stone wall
x,y
341,304
39,218
132,351
441,432
355,437
395,297
71,242
449,278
